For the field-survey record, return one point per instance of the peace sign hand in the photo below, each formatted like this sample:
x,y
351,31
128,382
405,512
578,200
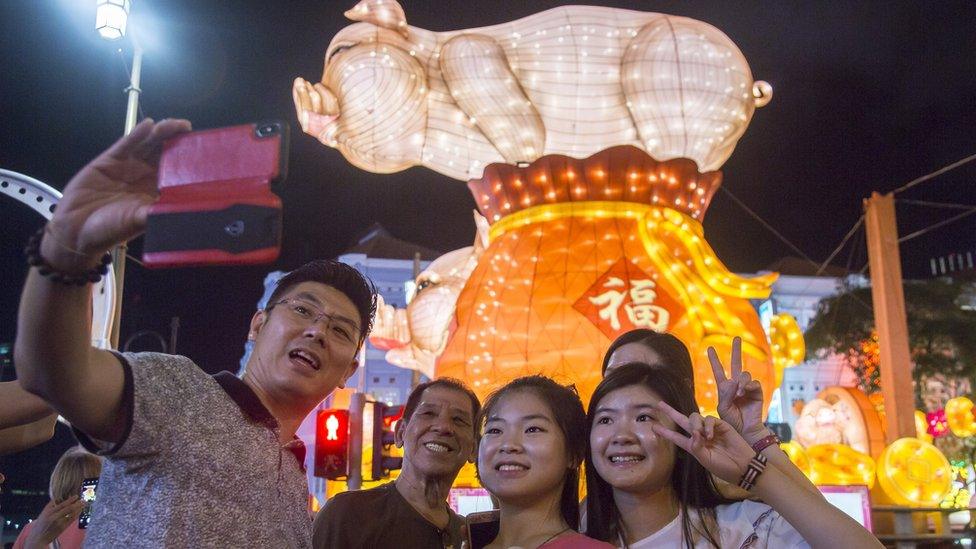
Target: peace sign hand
x,y
713,442
740,398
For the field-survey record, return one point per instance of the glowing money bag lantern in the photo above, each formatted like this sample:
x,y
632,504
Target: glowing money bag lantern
x,y
589,137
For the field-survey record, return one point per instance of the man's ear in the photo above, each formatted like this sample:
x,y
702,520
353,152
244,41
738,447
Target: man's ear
x,y
257,322
350,371
474,452
398,433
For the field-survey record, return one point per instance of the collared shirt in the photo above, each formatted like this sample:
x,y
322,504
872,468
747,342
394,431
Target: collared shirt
x,y
392,522
252,406
200,464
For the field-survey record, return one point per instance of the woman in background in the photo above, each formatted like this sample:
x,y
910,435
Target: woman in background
x,y
57,525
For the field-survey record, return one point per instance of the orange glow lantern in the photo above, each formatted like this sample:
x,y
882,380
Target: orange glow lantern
x,y
797,455
591,249
959,416
913,472
841,415
840,464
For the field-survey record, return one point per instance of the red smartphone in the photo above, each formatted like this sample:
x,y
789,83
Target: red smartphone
x,y
216,205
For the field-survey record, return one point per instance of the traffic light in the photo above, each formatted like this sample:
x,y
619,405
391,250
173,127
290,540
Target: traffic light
x,y
332,444
385,419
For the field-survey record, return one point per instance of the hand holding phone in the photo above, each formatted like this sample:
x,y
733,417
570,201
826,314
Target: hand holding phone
x,y
116,189
88,487
215,202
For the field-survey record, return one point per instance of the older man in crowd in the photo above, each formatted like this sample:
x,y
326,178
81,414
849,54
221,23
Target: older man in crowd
x,y
437,434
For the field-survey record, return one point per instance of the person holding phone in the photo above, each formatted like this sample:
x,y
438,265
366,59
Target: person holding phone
x,y
533,440
437,434
649,475
191,460
58,525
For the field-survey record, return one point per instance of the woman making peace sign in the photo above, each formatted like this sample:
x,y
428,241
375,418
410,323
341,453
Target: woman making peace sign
x,y
652,457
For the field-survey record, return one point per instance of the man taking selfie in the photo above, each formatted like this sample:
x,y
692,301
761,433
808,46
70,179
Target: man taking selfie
x,y
437,434
191,460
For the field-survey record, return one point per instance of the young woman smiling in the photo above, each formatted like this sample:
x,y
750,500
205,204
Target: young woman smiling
x,y
649,476
533,440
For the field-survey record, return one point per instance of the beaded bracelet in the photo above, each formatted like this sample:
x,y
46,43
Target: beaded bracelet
x,y
34,259
755,468
765,442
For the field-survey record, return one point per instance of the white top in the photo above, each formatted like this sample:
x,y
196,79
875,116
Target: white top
x,y
742,525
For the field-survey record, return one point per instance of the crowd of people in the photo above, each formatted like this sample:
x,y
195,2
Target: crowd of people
x,y
188,459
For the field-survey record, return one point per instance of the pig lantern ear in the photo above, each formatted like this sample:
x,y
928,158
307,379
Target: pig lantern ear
x,y
382,13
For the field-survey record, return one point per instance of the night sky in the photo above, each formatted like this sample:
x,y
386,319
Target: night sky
x,y
867,96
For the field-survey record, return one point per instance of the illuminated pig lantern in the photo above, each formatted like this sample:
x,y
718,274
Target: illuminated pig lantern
x,y
590,139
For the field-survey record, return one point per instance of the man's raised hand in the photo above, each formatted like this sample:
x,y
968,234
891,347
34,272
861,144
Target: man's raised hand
x,y
106,203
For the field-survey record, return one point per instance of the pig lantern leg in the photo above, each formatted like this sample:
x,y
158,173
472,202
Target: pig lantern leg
x,y
480,79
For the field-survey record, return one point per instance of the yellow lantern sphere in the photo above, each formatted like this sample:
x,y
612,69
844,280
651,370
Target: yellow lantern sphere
x,y
840,464
959,414
913,472
797,455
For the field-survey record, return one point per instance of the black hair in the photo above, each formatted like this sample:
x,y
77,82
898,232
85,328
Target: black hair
x,y
448,383
567,410
674,355
691,483
358,288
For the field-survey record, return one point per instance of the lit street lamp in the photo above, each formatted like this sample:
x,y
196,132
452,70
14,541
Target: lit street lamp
x,y
111,18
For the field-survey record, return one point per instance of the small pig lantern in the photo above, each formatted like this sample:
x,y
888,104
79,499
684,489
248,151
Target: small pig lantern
x,y
589,138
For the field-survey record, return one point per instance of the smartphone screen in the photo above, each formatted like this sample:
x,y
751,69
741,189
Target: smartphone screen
x,y
88,487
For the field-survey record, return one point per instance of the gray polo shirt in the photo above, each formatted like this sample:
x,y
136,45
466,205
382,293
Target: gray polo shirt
x,y
200,464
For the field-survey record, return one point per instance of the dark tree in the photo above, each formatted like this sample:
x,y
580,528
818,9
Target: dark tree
x,y
941,330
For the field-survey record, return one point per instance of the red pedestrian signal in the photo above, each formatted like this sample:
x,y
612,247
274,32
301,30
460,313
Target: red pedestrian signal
x,y
385,419
332,444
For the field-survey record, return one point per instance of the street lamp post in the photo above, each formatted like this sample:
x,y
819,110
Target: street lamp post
x,y
111,19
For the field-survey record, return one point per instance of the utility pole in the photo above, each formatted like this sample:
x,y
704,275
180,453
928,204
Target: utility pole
x,y
118,254
415,375
889,316
357,403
